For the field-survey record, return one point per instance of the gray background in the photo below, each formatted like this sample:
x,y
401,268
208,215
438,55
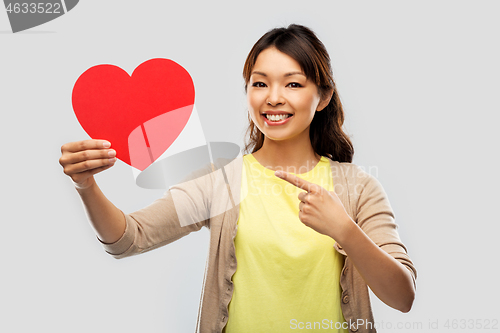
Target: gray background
x,y
420,84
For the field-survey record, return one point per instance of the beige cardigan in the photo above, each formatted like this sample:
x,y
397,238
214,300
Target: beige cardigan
x,y
211,198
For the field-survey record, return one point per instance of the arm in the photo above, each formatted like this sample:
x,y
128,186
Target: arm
x,y
181,210
372,244
387,278
106,219
80,161
374,247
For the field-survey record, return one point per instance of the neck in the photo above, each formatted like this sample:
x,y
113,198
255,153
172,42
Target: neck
x,y
295,156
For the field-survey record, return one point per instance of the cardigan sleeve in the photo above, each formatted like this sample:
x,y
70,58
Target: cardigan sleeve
x,y
375,217
184,208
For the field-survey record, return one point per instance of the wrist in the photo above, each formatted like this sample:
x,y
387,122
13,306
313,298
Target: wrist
x,y
346,231
85,186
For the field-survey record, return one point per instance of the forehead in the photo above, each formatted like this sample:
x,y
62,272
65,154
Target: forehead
x,y
273,60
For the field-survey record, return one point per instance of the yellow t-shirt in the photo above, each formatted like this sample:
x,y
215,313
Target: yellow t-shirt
x,y
287,275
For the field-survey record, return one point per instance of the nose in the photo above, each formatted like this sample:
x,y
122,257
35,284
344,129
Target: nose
x,y
275,97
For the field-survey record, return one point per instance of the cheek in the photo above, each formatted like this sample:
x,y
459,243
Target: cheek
x,y
312,102
252,109
306,102
253,101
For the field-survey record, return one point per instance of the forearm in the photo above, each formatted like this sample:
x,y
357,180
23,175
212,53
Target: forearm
x,y
389,280
106,219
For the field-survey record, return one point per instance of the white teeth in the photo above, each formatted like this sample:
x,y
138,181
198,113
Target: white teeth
x,y
276,117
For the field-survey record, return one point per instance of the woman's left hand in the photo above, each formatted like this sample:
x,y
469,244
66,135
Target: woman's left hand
x,y
319,209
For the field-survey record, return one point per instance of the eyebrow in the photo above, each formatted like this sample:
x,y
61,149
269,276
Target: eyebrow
x,y
286,75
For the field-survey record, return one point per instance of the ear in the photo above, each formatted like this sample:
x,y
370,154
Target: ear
x,y
327,96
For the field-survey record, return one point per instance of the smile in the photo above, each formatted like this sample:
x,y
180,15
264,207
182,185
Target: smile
x,y
274,120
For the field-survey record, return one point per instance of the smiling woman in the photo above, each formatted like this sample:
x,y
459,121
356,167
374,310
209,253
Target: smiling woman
x,y
309,262
279,94
302,74
312,230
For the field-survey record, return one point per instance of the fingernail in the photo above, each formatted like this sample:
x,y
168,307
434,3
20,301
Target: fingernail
x,y
106,144
112,160
278,173
112,153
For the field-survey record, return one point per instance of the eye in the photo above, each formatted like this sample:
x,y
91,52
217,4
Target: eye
x,y
258,84
294,85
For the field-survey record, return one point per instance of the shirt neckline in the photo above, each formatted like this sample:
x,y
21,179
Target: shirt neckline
x,y
270,171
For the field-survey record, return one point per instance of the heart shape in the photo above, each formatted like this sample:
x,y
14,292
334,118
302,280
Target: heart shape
x,y
142,114
28,14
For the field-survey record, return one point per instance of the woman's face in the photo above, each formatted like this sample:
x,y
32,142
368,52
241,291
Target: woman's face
x,y
281,100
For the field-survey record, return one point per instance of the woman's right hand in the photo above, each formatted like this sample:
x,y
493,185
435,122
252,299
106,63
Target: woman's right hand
x,y
81,160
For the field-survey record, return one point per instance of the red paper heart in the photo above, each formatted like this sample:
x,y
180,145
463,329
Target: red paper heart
x,y
110,105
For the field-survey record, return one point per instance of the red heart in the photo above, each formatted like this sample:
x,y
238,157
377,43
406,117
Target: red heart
x,y
110,105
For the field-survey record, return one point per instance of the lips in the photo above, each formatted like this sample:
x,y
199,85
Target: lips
x,y
276,112
276,123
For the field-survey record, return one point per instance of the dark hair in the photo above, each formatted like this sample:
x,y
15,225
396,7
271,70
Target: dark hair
x,y
300,43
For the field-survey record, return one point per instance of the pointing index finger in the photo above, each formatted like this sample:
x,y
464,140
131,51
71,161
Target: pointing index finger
x,y
294,180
